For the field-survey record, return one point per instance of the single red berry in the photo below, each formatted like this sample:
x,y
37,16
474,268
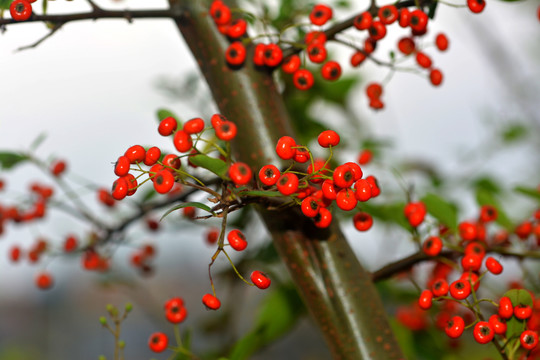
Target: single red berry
x,y
375,189
365,157
135,154
370,45
226,130
471,278
488,213
310,206
454,328
152,156
217,119
404,17
441,41
467,231
331,70
221,14
362,190
189,212
323,218
498,324
175,313
285,147
152,224
328,138
471,262
432,246
212,236
493,266
173,302
476,6
20,10
15,253
362,221
529,339
170,162
388,14
167,126
182,141
363,21
318,167
435,77
132,184
418,21
258,54
303,79
483,332
377,30
44,280
356,170
260,279
163,181
237,240
120,189
522,312
291,64
425,300
475,248
423,60
316,53
315,37
236,28
240,173
121,168
440,287
346,200
301,156
524,229
269,175
287,184
460,289
211,302
358,58
406,45
506,309
194,126
343,176
105,197
329,190
320,14
374,90
70,243
58,167
235,55
158,342
273,55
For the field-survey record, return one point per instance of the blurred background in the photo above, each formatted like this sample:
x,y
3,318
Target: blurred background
x,y
92,90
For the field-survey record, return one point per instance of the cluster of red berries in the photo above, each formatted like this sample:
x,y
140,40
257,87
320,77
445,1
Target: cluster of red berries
x,y
175,313
142,257
21,10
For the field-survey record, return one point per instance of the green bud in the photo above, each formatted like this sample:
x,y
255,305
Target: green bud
x,y
103,320
129,307
121,344
112,310
102,357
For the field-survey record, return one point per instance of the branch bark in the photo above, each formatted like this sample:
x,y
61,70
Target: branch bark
x,y
337,290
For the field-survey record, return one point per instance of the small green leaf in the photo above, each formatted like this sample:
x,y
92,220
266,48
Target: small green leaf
x,y
9,159
44,7
514,132
165,113
442,210
484,197
388,212
217,166
530,192
188,204
487,184
260,193
4,4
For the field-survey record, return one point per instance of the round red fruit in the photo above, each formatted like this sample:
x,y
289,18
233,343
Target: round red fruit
x,y
476,6
343,176
240,173
310,206
460,289
388,14
483,332
44,280
20,10
435,77
163,181
498,324
158,342
237,240
323,218
493,266
260,279
167,126
211,302
432,246
291,64
152,156
522,312
269,175
135,154
362,221
182,141
425,300
441,41
454,328
226,130
363,21
506,309
346,200
328,138
194,126
287,184
273,55
331,70
303,79
529,339
235,55
320,14
285,148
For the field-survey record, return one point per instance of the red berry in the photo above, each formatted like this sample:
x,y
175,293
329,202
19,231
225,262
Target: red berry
x,y
315,37
467,231
320,14
432,246
105,197
498,325
362,221
374,90
235,55
440,287
418,21
423,60
152,156
20,10
406,45
171,162
377,30
454,328
346,200
522,312
323,218
269,175
365,157
317,53
523,230
436,77
194,126
58,167
167,126
328,138
258,54
476,6
493,266
120,189
175,312
182,141
404,17
15,253
158,342
240,173
211,302
70,243
260,279
273,55
44,280
388,14
528,339
506,309
226,130
375,189
356,170
220,13
237,240
291,64
189,212
212,236
471,262
363,190
363,21
287,184
132,184
488,213
121,168
285,148
329,190
310,206
236,28
441,41
331,70
370,45
343,176
135,154
163,181
471,278
357,58
483,332
425,300
303,79
460,289
301,156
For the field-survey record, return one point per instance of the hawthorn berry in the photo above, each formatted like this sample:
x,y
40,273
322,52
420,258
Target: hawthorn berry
x,y
320,14
418,21
70,243
493,266
377,30
303,79
260,279
15,253
441,41
331,70
240,173
258,54
273,55
346,200
374,90
237,28
120,189
471,262
171,161
329,190
432,246
375,189
220,13
460,289
20,10
212,236
471,278
226,130
135,154
44,280
363,21
328,138
406,45
291,64
365,157
316,53
522,312
163,181
483,332
310,206
343,176
211,302
425,300
528,339
58,167
455,326
357,58
132,184
404,17
158,342
152,156
415,213
498,324
323,218
423,60
237,240
235,55
122,166
467,231
476,6
285,147
175,312
362,221
269,175
362,189
440,287
301,156
370,45
287,184
189,212
194,126
388,14
435,77
182,141
506,309
167,126
523,230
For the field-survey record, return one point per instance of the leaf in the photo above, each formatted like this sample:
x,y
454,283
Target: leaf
x,y
488,184
278,314
514,326
217,166
9,159
530,192
432,9
44,7
442,210
260,193
388,212
188,204
514,132
335,91
37,141
4,4
484,197
164,113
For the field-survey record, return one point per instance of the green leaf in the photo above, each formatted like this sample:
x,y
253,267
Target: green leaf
x,y
10,159
217,166
388,212
442,210
484,197
335,91
487,184
188,204
44,7
514,132
514,326
278,314
260,193
530,192
4,4
165,113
